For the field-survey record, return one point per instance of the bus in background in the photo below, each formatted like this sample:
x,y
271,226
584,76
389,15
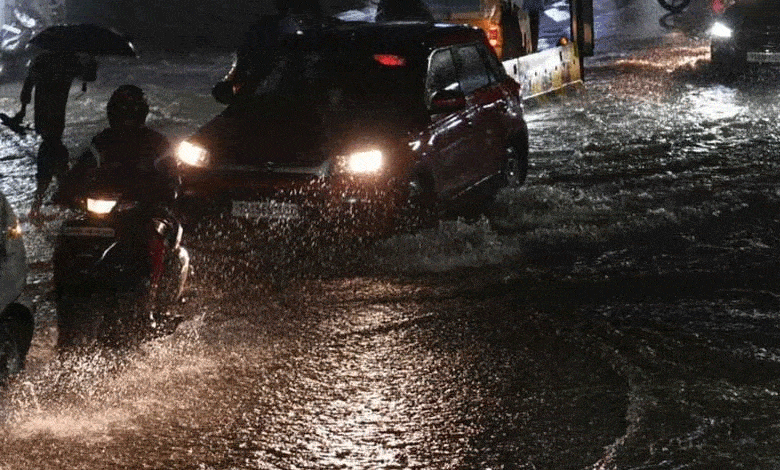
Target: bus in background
x,y
504,21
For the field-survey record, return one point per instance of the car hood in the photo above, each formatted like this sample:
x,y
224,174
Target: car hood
x,y
295,135
244,138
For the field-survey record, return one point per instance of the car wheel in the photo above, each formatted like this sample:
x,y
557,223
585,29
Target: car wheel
x,y
515,168
419,209
10,357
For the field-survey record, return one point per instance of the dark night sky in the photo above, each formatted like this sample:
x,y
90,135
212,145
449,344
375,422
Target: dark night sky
x,y
180,24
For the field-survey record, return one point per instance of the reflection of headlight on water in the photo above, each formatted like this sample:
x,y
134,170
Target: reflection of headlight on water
x,y
721,31
192,154
715,104
367,162
100,206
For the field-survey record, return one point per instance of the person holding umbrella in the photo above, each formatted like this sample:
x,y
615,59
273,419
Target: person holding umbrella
x,y
50,76
68,53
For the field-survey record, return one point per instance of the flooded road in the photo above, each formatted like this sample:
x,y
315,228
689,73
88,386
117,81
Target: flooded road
x,y
619,311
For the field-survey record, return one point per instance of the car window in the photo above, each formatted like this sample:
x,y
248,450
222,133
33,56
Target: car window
x,y
441,73
494,66
473,71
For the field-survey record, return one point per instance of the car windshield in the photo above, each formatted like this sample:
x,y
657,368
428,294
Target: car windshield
x,y
341,93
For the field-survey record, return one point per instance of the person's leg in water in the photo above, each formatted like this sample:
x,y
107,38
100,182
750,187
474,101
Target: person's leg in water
x,y
52,161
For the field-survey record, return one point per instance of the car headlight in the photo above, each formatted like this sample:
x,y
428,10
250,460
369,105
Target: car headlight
x,y
721,31
100,206
192,155
362,163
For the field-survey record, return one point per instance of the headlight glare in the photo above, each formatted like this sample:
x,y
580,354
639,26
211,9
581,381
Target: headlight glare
x,y
100,206
721,31
192,155
14,231
365,162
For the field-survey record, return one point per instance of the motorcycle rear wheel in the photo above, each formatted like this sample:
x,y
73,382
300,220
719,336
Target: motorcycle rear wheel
x,y
10,357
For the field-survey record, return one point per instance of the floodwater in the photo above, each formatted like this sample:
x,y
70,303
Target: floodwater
x,y
619,311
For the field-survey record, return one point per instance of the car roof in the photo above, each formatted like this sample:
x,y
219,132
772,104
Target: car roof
x,y
413,39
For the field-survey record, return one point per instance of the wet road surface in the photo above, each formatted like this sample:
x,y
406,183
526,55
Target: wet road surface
x,y
619,311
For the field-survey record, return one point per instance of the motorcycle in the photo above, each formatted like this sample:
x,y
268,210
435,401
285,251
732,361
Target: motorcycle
x,y
14,36
674,6
119,265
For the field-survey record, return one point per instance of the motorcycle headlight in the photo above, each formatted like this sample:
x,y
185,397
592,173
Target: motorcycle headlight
x,y
721,31
362,163
192,155
101,206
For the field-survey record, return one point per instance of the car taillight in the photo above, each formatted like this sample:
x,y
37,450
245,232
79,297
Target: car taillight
x,y
390,60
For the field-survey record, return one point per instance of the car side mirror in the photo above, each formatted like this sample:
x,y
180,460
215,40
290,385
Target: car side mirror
x,y
447,101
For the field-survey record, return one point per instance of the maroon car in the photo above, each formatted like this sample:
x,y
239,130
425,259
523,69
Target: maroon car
x,y
359,125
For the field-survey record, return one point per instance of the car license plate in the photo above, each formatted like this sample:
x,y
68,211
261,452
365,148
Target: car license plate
x,y
764,57
270,210
103,232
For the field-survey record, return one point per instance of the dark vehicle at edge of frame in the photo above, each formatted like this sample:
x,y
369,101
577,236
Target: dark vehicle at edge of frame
x,y
368,125
746,33
119,265
16,317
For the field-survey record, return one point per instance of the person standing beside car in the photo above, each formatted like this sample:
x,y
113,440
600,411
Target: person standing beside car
x,y
261,51
50,76
534,8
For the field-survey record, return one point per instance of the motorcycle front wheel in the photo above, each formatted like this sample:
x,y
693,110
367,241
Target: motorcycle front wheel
x,y
10,358
675,6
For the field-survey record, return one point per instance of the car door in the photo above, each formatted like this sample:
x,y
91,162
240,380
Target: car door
x,y
449,133
485,108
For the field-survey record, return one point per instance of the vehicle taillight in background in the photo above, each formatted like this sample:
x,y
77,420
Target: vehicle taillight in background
x,y
493,34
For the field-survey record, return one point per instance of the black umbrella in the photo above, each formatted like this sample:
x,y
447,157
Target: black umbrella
x,y
90,38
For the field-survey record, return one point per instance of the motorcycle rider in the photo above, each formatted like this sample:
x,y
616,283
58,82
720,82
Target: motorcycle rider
x,y
127,143
139,154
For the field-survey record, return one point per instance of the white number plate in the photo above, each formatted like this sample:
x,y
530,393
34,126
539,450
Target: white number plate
x,y
764,57
273,210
